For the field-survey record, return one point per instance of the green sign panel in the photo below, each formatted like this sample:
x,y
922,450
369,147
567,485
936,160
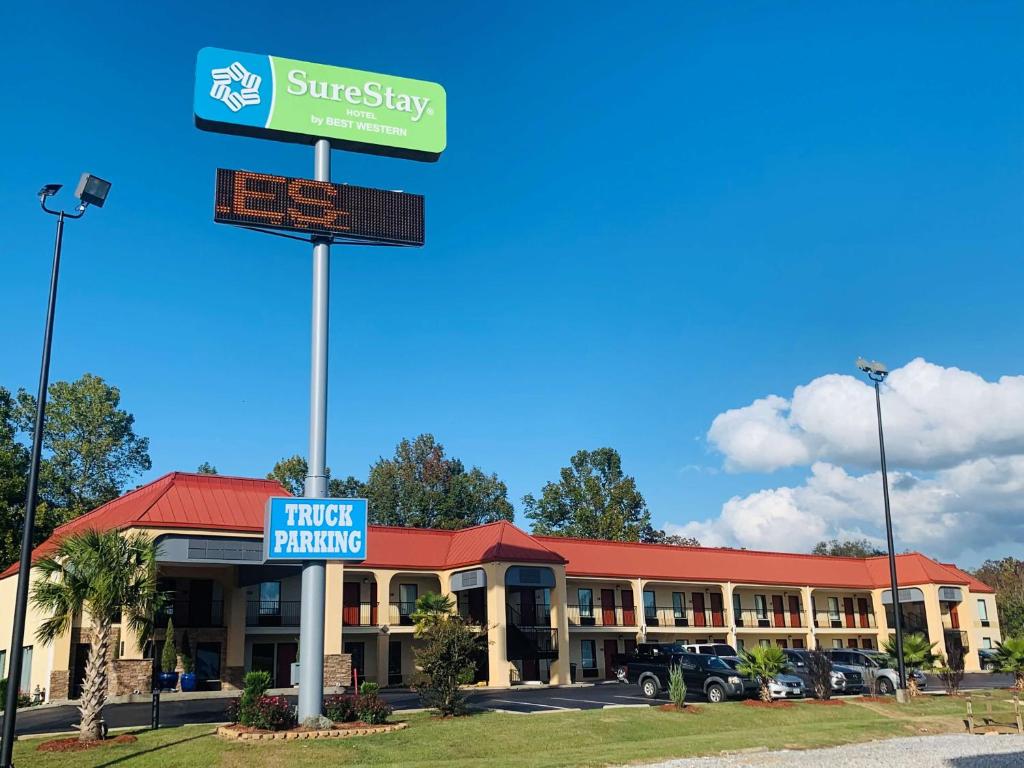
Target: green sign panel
x,y
269,97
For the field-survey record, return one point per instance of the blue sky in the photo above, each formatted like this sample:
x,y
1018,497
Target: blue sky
x,y
641,221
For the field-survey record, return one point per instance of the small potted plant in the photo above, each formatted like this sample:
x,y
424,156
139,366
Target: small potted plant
x,y
188,674
168,678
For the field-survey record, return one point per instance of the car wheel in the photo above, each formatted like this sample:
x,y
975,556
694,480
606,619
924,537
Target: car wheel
x,y
649,688
715,693
885,686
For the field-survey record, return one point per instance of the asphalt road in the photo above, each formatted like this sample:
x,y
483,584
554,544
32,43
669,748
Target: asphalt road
x,y
522,700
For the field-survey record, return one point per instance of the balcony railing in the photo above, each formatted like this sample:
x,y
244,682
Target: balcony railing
x,y
670,616
192,614
829,620
537,615
751,617
272,613
400,614
359,614
599,616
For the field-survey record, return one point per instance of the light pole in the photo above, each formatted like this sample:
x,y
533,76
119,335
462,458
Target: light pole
x,y
91,190
877,372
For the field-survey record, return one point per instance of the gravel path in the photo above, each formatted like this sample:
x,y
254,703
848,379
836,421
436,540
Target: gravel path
x,y
956,751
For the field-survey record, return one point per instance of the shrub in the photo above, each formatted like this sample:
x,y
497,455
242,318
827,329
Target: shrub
x,y
24,700
446,661
819,669
256,685
169,655
676,686
341,709
273,713
372,709
1010,657
368,687
762,664
917,654
951,671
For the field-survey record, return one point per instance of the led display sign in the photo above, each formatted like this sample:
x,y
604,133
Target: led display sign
x,y
340,211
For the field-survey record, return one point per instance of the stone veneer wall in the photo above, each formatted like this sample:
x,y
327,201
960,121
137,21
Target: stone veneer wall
x,y
338,669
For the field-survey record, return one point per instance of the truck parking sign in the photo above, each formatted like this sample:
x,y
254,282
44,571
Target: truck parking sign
x,y
314,529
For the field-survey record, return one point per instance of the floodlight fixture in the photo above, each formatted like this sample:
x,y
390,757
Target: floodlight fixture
x,y
92,190
875,370
49,190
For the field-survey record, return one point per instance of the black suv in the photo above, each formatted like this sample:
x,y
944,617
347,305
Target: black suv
x,y
706,674
844,679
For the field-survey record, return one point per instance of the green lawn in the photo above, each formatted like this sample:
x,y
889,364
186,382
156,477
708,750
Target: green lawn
x,y
592,738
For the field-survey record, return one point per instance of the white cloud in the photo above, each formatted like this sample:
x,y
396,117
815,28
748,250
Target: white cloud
x,y
934,417
955,445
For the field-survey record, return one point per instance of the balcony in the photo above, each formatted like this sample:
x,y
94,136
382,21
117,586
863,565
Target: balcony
x,y
687,616
532,643
359,614
273,613
400,614
600,616
748,618
833,620
191,615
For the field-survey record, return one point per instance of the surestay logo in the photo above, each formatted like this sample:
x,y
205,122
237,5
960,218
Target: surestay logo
x,y
371,94
247,92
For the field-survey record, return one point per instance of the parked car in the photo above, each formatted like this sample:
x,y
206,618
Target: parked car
x,y
844,679
709,675
712,649
782,686
987,657
644,652
874,666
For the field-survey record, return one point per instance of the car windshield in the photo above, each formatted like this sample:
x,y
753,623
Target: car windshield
x,y
874,660
716,662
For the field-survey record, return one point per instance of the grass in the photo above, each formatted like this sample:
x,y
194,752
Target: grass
x,y
591,738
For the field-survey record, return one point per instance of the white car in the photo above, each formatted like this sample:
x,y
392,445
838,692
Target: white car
x,y
786,687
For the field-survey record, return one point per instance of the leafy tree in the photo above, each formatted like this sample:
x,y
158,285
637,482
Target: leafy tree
x,y
847,548
918,653
1010,656
762,664
14,460
593,499
91,448
291,473
1006,577
99,575
420,487
660,537
446,661
206,468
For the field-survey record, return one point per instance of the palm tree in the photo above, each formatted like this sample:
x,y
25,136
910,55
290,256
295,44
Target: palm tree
x,y
1010,657
430,609
918,653
762,663
99,574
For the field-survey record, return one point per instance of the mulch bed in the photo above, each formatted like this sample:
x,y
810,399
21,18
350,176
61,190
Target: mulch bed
x,y
758,704
72,744
827,702
690,708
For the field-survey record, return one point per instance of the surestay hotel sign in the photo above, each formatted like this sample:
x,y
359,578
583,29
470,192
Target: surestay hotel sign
x,y
288,100
314,529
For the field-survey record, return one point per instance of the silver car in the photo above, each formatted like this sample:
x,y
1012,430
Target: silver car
x,y
874,666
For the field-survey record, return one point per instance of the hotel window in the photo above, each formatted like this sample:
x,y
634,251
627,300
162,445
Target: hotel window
x,y
740,644
837,643
586,598
761,609
986,642
407,596
737,609
764,643
650,610
833,609
983,613
588,654
270,598
678,606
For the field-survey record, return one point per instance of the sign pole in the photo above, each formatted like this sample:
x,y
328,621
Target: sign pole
x,y
314,574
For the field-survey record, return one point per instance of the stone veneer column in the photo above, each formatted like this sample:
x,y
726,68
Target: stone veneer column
x,y
337,665
235,613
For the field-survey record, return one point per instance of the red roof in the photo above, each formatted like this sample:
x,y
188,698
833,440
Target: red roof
x,y
219,502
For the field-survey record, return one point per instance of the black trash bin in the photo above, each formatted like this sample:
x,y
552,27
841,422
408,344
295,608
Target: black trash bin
x,y
572,672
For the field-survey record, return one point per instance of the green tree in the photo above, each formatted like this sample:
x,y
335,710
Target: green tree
x,y
169,653
14,460
1006,577
99,575
1010,656
206,468
660,537
762,664
593,499
91,448
291,473
918,653
421,487
847,548
446,661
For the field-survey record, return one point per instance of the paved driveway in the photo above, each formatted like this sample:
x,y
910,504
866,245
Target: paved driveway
x,y
521,700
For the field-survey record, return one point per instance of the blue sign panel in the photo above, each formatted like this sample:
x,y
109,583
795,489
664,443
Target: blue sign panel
x,y
314,529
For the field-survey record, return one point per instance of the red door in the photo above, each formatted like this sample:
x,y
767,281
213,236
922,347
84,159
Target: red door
x,y
794,611
717,616
628,614
862,609
350,604
851,643
778,612
607,608
954,617
798,643
286,653
848,610
373,604
866,644
781,642
698,610
611,647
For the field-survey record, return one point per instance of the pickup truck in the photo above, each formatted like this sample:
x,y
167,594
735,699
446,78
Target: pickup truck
x,y
702,673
